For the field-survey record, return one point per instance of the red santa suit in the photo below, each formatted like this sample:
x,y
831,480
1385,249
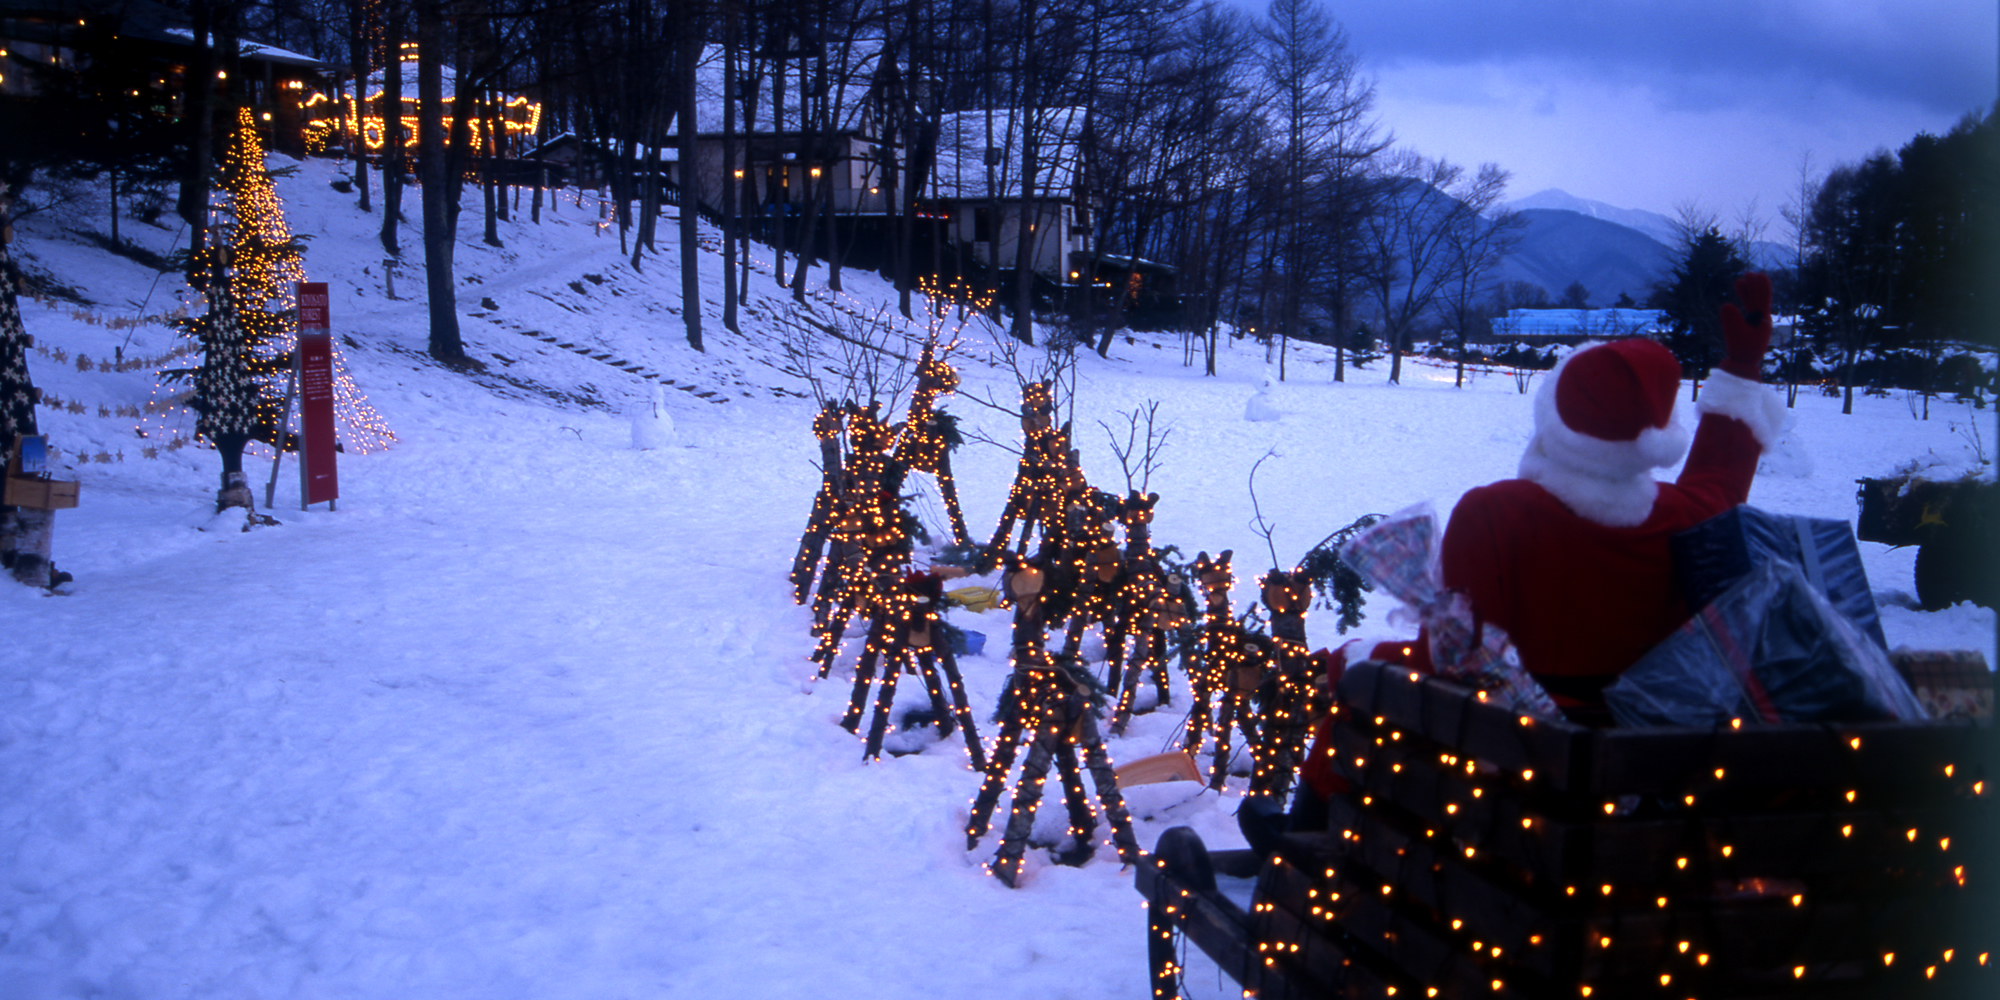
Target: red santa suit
x,y
1572,557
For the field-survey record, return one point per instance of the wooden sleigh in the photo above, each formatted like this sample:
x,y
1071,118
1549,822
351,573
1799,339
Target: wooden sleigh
x,y
1485,854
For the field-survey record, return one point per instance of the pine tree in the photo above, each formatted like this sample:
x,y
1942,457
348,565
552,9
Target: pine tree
x,y
247,331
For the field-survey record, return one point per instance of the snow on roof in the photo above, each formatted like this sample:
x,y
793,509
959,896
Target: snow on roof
x,y
963,145
255,49
1577,322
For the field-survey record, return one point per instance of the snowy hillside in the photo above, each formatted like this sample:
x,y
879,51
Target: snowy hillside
x,y
530,715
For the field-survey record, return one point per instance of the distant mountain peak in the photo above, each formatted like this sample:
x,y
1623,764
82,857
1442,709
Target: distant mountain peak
x,y
1652,224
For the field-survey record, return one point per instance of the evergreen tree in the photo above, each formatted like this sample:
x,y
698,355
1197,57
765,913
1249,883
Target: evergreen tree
x,y
247,329
1694,290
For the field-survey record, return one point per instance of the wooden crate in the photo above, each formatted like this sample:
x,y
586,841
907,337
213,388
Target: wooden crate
x,y
39,494
1484,855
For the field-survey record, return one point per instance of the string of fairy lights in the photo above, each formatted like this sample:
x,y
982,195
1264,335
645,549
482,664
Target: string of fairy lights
x,y
260,264
853,565
1062,570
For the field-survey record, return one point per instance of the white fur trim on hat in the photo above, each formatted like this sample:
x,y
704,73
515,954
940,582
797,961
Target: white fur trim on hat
x,y
1760,408
1608,482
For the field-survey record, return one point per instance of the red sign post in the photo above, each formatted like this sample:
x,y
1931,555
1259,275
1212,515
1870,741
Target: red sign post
x,y
318,479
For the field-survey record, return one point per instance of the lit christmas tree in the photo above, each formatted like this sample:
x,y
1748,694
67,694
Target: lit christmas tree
x,y
24,533
250,327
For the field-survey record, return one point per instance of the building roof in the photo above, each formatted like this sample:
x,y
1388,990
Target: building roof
x,y
145,20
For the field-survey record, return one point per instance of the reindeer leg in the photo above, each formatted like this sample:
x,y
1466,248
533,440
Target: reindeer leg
x,y
1199,720
1114,652
1082,819
864,673
885,700
1161,682
948,485
934,686
1021,815
1004,751
1218,769
1128,691
962,708
1106,781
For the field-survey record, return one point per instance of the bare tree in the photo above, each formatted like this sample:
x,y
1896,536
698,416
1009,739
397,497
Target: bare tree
x,y
1475,244
1322,105
1422,200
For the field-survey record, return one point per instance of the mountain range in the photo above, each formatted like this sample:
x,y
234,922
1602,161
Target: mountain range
x,y
1611,250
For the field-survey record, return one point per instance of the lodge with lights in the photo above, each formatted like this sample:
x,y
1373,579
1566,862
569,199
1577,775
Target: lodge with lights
x,y
144,49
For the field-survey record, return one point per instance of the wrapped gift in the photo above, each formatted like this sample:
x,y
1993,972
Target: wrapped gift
x,y
1399,555
1716,553
1771,649
1952,684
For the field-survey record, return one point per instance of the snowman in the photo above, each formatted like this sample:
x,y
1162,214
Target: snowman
x,y
652,427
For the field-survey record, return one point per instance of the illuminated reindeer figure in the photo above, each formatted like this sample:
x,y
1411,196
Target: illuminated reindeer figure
x,y
827,427
1048,472
1231,670
871,540
905,635
925,440
1045,706
1150,602
1088,566
1290,700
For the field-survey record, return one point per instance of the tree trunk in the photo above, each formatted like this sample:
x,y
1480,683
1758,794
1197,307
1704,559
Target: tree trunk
x,y
731,41
690,52
394,158
445,344
357,61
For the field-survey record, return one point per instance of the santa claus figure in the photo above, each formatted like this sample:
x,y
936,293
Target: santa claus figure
x,y
1572,557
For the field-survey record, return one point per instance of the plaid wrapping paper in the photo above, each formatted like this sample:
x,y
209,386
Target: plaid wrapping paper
x,y
1952,684
1399,555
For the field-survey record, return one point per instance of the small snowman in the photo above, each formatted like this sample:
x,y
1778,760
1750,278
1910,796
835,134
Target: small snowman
x,y
652,427
1261,407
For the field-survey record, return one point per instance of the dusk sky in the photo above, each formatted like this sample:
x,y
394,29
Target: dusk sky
x,y
1652,103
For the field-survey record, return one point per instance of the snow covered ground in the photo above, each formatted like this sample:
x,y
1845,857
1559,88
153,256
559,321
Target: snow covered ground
x,y
530,715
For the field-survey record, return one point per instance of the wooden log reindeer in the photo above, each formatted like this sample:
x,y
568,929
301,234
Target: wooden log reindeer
x,y
827,427
925,440
870,538
1046,476
1289,699
905,635
1231,669
1149,604
1045,706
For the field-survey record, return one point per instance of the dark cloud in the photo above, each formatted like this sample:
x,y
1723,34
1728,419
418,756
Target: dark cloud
x,y
1936,54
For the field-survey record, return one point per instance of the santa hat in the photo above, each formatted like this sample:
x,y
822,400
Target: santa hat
x,y
1604,419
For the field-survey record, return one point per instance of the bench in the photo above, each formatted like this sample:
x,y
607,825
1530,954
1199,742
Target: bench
x,y
1485,854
